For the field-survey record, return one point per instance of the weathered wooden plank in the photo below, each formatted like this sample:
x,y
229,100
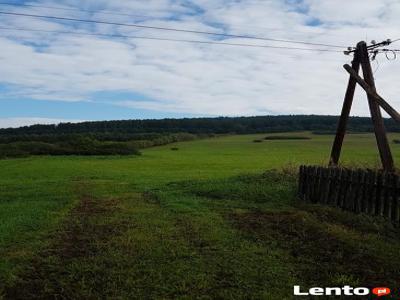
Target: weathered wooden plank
x,y
338,188
379,128
372,193
314,183
378,195
371,92
395,199
327,183
358,191
387,183
344,116
363,191
309,183
345,182
300,182
331,191
320,184
349,203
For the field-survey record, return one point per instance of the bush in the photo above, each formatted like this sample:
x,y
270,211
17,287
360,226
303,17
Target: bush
x,y
324,132
79,146
86,144
283,137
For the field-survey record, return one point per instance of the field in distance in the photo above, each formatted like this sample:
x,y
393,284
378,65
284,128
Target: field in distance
x,y
205,218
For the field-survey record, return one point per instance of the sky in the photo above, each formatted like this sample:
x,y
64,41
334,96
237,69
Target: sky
x,y
50,77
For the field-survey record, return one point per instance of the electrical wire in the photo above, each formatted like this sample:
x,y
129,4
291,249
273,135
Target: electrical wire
x,y
167,39
168,29
103,12
108,12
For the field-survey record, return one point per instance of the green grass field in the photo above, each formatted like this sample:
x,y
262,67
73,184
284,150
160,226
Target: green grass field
x,y
209,220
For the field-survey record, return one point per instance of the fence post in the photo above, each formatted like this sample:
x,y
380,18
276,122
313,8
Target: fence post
x,y
310,183
395,199
325,196
378,194
300,183
351,192
364,183
372,193
319,184
387,186
359,191
345,187
338,187
314,172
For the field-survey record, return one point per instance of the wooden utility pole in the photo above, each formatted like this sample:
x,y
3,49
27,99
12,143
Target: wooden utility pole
x,y
379,127
344,117
361,58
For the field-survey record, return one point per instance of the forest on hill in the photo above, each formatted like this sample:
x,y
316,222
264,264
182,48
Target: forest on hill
x,y
128,129
126,137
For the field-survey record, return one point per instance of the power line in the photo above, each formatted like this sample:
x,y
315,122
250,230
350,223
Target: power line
x,y
169,29
167,39
103,12
108,12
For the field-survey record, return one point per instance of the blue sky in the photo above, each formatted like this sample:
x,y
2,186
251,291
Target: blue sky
x,y
48,77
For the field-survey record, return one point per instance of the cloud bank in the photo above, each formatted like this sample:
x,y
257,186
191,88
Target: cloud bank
x,y
199,79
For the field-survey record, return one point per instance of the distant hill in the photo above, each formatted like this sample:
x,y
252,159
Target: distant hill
x,y
221,125
127,137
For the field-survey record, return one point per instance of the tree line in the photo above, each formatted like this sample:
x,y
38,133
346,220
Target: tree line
x,y
144,129
127,137
83,144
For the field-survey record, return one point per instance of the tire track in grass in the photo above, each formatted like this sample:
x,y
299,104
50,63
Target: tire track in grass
x,y
50,274
231,266
143,247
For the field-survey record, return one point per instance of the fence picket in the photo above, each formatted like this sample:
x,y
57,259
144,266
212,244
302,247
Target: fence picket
x,y
378,195
386,194
372,193
395,199
358,191
363,191
325,196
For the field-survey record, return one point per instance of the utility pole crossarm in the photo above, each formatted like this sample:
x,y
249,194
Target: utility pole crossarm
x,y
386,106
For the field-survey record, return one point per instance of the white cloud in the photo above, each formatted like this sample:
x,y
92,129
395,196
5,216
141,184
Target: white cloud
x,y
195,78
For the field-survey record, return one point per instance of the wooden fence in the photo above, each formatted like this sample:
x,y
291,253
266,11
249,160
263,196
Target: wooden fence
x,y
360,191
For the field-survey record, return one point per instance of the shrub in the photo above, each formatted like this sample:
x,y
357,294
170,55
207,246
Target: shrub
x,y
283,137
80,146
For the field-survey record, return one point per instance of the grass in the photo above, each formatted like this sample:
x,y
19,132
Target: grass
x,y
205,221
